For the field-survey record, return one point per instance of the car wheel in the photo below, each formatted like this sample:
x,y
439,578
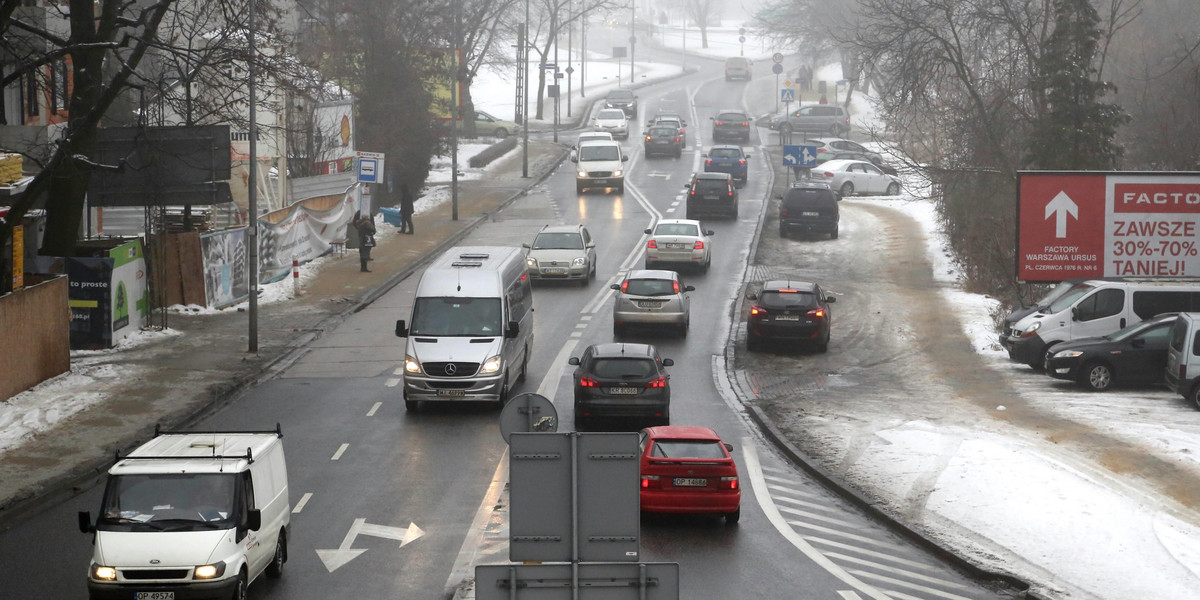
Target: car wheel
x,y
503,391
893,189
524,365
616,330
411,405
683,329
833,235
785,129
500,132
1097,376
239,590
678,152
847,189
835,131
735,211
824,345
1194,396
275,569
782,231
733,517
707,264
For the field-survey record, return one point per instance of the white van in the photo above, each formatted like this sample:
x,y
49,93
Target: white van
x,y
1093,308
1183,357
600,165
191,515
471,330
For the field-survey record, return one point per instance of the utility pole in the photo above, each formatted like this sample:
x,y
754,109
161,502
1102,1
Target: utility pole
x,y
455,115
252,203
632,37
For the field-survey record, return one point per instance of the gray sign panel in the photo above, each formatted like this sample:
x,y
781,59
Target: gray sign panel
x,y
597,581
543,514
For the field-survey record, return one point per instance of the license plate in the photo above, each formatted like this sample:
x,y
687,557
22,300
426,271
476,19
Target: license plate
x,y
787,318
675,246
712,197
809,213
154,596
556,271
649,304
451,393
662,142
628,391
690,482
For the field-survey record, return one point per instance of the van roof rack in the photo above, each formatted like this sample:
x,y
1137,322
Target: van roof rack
x,y
466,263
474,255
158,430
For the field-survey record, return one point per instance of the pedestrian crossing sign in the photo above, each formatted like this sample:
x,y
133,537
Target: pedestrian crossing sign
x,y
787,95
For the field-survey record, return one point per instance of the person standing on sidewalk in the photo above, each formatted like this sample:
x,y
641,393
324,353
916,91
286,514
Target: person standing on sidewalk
x,y
406,209
366,238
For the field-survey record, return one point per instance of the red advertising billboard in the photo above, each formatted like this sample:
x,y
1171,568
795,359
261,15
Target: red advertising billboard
x,y
1107,224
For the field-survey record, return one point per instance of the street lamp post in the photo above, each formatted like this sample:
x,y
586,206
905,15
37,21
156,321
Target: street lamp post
x,y
632,37
252,201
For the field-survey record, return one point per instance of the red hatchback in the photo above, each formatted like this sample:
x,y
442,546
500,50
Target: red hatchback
x,y
688,470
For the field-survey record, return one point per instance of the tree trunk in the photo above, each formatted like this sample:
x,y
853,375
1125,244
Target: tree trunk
x,y
704,36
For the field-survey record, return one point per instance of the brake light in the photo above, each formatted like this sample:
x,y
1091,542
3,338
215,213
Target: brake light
x,y
677,138
708,162
728,483
828,174
699,245
720,123
817,312
744,124
757,311
652,244
625,287
586,381
742,162
649,481
675,284
647,138
660,382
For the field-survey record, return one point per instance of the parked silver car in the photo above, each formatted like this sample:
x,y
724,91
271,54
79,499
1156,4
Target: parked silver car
x,y
652,297
562,252
851,177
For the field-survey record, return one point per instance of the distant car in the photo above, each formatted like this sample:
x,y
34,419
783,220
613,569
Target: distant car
x,y
486,124
679,241
814,118
562,252
711,194
652,298
850,155
1134,355
622,99
600,164
613,121
728,159
737,67
621,380
663,139
731,124
850,177
688,470
794,311
672,119
809,207
828,147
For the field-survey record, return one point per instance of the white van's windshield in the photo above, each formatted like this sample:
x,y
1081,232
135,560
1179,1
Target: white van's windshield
x,y
1054,293
600,152
1067,299
472,317
169,502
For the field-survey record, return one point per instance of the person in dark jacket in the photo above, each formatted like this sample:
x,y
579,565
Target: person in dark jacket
x,y
406,209
366,238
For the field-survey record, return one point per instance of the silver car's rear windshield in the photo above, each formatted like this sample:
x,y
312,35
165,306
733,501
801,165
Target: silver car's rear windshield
x,y
650,287
611,113
599,153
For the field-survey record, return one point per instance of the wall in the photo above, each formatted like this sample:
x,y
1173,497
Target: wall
x,y
34,327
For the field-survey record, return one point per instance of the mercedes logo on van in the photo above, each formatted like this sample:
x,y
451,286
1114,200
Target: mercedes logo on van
x,y
154,561
451,368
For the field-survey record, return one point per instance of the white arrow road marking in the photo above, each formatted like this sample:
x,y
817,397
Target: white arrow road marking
x,y
1060,206
665,176
334,559
847,595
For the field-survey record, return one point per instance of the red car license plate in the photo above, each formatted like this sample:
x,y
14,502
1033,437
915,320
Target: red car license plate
x,y
690,482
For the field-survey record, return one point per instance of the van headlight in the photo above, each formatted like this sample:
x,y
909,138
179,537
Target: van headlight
x,y
531,262
582,173
491,365
101,573
411,365
618,173
579,262
1032,329
209,571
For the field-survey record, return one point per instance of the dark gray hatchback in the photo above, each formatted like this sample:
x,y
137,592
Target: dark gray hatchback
x,y
809,208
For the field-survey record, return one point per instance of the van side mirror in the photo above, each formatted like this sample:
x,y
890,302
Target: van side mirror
x,y
747,157
401,328
624,158
668,362
752,296
709,232
512,330
647,231
254,520
525,245
574,360
85,522
687,186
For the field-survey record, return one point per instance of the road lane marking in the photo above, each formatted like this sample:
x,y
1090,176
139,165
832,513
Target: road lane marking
x,y
393,382
549,383
634,255
300,505
815,516
896,570
905,584
337,455
472,546
581,326
371,413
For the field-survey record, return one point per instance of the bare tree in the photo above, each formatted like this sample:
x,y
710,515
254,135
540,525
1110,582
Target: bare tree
x,y
701,11
550,18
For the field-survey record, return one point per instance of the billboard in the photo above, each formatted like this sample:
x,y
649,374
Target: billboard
x,y
1107,224
439,63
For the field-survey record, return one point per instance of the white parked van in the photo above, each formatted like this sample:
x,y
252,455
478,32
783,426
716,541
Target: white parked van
x,y
191,515
471,330
1093,308
1183,357
600,165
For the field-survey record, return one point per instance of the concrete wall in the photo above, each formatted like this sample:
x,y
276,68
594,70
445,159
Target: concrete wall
x,y
34,334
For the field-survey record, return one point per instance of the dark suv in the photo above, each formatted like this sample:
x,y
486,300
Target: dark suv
x,y
622,99
796,311
711,194
664,139
621,381
809,207
737,67
731,124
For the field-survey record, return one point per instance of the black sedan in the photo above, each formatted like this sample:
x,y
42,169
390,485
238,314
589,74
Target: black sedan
x,y
1134,355
625,381
793,311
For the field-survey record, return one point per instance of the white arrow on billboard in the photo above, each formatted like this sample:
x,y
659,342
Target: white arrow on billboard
x,y
1060,207
334,559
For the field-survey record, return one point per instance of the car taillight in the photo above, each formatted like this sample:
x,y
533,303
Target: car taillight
x,y
699,245
675,284
650,481
652,244
728,483
816,312
719,123
660,382
1182,372
677,138
829,175
625,287
708,162
586,381
647,138
757,311
744,124
742,162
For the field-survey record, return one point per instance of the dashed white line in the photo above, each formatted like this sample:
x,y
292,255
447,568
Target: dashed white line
x,y
303,500
371,413
393,381
337,455
576,334
581,326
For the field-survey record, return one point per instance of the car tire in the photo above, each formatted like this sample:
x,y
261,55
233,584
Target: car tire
x,y
500,132
833,235
504,392
735,211
1194,397
275,569
683,330
893,189
847,189
524,366
648,265
412,405
824,345
782,231
707,264
678,152
239,589
617,331
733,517
1097,376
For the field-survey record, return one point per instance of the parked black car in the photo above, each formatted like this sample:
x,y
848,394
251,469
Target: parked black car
x,y
1134,355
620,380
793,311
809,207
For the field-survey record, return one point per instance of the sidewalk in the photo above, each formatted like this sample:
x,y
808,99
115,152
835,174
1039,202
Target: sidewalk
x,y
202,362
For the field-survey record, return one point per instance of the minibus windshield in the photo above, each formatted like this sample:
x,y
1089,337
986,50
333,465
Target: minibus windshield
x,y
474,317
169,502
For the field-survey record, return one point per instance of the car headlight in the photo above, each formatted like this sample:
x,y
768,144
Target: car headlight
x,y
491,365
1032,329
209,571
579,262
104,573
411,365
1067,354
618,173
531,262
608,105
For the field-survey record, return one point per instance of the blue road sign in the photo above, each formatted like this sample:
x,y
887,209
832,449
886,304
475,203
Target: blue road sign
x,y
776,68
787,95
367,170
800,156
742,39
